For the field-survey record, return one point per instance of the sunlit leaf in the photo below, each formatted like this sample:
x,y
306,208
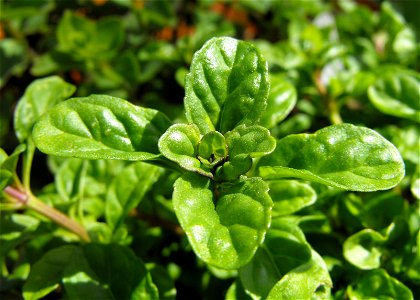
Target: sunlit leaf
x,y
100,127
397,95
40,95
364,249
226,233
227,85
380,285
344,156
290,196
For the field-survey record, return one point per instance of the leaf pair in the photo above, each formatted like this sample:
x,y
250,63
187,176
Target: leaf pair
x,y
184,145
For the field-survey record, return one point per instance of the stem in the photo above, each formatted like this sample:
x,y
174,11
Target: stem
x,y
334,114
30,201
332,107
27,163
21,198
81,184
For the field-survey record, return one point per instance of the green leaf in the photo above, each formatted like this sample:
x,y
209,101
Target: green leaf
x,y
364,249
14,57
163,281
290,196
415,183
377,284
226,234
90,272
180,144
406,139
254,141
212,146
227,85
390,204
398,233
3,156
405,45
235,167
297,123
397,95
47,272
85,39
40,95
69,177
260,275
109,262
344,156
308,281
79,279
100,127
6,178
280,102
8,165
284,249
237,292
84,180
15,229
127,190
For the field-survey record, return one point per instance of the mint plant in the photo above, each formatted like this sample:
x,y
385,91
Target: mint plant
x,y
235,186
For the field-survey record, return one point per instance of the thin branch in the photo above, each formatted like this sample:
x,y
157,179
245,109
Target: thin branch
x,y
30,201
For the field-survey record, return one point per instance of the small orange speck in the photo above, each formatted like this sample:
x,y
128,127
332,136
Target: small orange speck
x,y
99,2
81,12
165,34
138,4
218,7
250,31
236,15
184,30
2,33
76,76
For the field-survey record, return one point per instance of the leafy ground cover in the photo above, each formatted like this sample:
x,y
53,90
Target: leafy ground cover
x,y
209,150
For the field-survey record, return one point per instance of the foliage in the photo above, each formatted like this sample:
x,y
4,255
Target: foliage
x,y
269,150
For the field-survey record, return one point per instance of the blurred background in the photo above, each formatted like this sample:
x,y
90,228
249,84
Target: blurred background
x,y
340,60
141,50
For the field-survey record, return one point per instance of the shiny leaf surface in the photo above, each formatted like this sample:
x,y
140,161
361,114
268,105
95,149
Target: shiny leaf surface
x,y
91,271
289,196
310,280
379,284
364,249
100,127
127,190
228,233
397,95
40,95
254,141
227,85
344,156
180,144
280,102
284,249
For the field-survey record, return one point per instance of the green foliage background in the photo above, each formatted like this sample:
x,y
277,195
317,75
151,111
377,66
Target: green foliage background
x,y
329,62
